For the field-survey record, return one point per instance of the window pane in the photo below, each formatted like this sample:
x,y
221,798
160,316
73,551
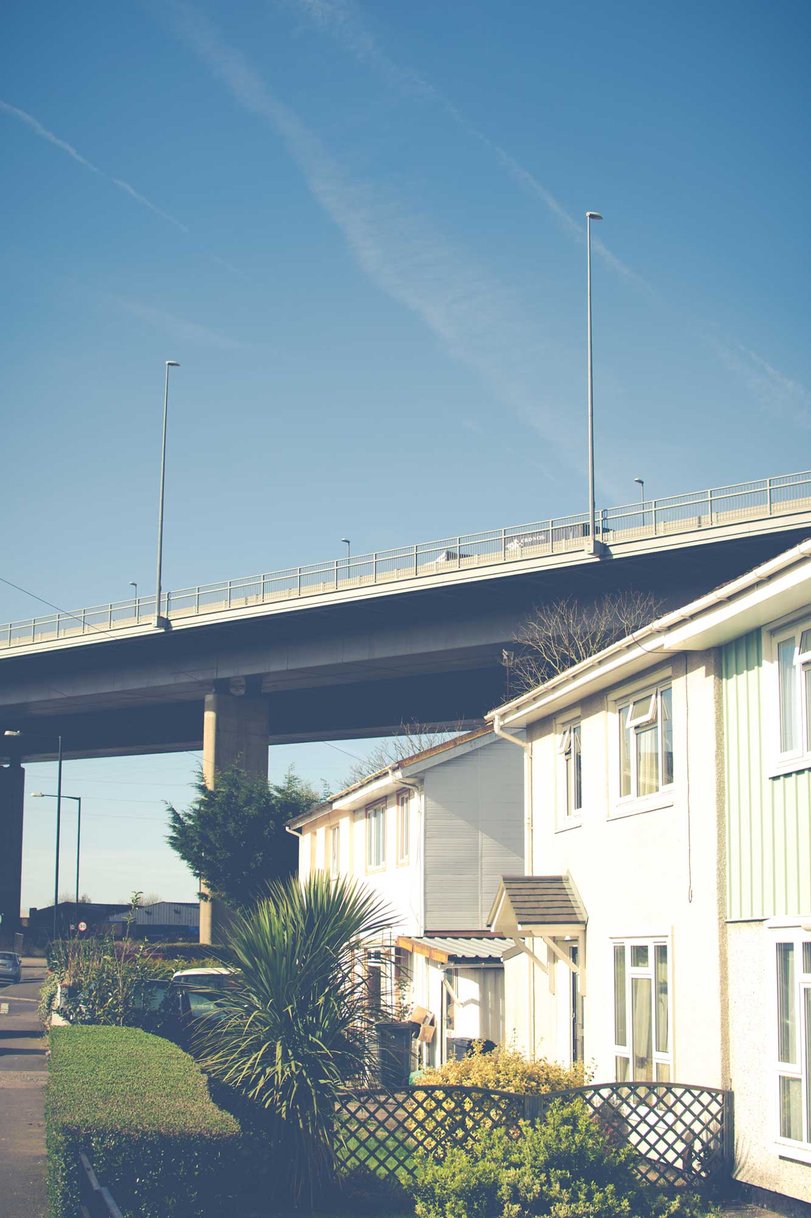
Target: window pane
x,y
622,1069
662,1072
647,760
641,995
807,957
639,957
667,736
625,752
785,665
786,1021
620,1014
805,643
791,1108
660,973
807,1022
577,771
807,708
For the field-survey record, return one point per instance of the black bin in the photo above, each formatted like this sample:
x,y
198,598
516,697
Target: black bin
x,y
394,1052
462,1046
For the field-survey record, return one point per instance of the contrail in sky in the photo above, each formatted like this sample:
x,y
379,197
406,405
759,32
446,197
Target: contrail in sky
x,y
341,20
475,318
67,148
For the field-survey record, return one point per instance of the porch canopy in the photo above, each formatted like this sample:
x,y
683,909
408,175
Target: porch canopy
x,y
546,907
457,949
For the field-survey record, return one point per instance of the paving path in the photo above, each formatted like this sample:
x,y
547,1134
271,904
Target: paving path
x,y
23,1071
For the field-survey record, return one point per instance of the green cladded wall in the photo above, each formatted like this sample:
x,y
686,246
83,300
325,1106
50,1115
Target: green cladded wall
x,y
768,819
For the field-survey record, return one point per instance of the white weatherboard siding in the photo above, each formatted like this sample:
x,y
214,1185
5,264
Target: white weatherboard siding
x,y
473,834
645,870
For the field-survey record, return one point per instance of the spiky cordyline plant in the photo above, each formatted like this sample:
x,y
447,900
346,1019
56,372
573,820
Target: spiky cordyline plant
x,y
298,1023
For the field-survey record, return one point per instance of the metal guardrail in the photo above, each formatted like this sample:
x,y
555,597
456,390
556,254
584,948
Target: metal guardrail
x,y
649,518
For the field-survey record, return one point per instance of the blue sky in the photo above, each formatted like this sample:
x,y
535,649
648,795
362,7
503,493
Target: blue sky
x,y
359,228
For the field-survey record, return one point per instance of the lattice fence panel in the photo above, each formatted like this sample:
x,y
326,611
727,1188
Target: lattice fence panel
x,y
681,1134
381,1131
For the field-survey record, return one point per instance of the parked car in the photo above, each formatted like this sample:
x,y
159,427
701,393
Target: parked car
x,y
198,991
11,968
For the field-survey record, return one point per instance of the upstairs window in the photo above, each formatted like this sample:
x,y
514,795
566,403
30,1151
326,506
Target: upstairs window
x,y
403,827
646,743
335,851
794,690
376,837
569,749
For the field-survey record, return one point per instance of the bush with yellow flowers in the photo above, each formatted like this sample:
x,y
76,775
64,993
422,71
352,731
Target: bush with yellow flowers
x,y
505,1069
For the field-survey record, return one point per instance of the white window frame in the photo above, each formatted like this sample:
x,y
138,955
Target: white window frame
x,y
662,1059
376,837
797,756
403,828
647,699
569,743
334,851
799,1069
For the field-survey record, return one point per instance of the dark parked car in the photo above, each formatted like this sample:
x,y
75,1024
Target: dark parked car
x,y
11,968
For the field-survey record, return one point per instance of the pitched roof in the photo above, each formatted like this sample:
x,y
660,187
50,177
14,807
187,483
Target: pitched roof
x,y
537,901
397,764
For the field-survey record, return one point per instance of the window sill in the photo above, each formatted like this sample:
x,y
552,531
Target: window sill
x,y
571,822
789,765
659,802
793,1152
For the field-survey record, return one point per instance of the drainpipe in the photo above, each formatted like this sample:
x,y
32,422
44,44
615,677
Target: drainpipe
x,y
528,855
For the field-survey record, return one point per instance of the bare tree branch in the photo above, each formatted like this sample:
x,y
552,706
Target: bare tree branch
x,y
561,634
412,738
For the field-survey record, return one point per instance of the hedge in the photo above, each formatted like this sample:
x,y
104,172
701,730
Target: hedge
x,y
139,1106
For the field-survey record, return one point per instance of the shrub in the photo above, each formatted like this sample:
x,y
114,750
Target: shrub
x,y
298,1021
139,1107
506,1069
561,1168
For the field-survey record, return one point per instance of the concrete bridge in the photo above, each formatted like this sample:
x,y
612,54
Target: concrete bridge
x,y
352,647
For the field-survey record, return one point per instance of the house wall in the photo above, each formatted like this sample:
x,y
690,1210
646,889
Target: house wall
x,y
760,1159
768,820
644,869
400,885
473,834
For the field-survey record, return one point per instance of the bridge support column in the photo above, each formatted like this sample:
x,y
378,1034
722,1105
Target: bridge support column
x,y
12,787
235,732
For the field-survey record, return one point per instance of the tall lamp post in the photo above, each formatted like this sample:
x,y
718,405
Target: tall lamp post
x,y
641,483
159,620
58,798
590,215
78,801
347,542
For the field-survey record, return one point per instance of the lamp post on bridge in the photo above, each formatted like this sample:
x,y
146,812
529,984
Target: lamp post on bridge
x,y
590,215
159,620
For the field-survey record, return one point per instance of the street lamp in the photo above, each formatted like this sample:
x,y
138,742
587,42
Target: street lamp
x,y
160,621
641,482
58,798
78,801
590,215
348,545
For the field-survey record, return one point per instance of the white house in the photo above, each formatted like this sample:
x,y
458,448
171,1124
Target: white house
x,y
433,835
662,928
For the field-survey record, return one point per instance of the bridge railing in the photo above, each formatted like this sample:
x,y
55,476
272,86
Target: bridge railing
x,y
648,518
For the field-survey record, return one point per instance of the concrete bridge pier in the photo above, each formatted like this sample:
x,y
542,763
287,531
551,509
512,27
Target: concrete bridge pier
x,y
235,732
12,789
